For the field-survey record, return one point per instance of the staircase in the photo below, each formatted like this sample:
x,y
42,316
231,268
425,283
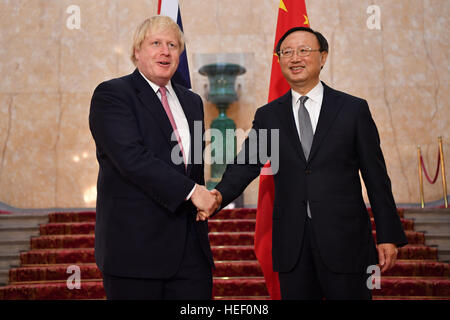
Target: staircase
x,y
15,232
435,223
68,239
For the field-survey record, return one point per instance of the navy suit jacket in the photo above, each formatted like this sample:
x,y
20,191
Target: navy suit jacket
x,y
345,143
142,214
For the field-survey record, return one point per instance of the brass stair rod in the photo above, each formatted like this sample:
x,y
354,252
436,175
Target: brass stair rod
x,y
420,178
444,182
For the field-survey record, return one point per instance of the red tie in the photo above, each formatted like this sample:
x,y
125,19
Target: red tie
x,y
166,106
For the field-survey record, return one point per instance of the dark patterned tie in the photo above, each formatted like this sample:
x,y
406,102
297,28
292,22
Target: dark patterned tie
x,y
306,131
306,134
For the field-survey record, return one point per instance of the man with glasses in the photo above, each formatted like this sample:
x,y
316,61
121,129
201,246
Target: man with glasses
x,y
322,238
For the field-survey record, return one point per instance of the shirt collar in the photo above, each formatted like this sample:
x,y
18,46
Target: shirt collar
x,y
315,94
155,87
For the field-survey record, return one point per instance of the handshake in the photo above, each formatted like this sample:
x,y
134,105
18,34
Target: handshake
x,y
207,202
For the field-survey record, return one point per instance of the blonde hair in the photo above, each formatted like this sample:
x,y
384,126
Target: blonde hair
x,y
153,24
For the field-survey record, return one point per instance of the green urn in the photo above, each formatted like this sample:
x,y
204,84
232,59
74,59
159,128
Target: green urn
x,y
222,92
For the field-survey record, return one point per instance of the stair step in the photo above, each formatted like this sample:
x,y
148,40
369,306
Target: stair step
x,y
84,216
413,237
215,225
444,256
390,286
232,225
13,246
233,252
414,286
52,291
91,271
239,252
423,215
18,233
227,225
52,273
240,268
440,240
63,241
231,238
88,241
67,228
248,286
9,260
94,289
53,256
216,238
86,255
433,226
239,213
246,213
89,216
409,268
23,220
4,276
222,286
411,251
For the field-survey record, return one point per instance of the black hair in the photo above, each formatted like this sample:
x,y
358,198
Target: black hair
x,y
323,43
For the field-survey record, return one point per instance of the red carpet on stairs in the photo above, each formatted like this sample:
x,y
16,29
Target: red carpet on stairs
x,y
68,239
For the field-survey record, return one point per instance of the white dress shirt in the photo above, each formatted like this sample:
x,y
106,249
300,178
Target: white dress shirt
x,y
179,117
313,105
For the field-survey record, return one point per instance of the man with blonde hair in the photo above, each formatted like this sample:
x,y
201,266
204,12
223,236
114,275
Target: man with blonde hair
x,y
148,244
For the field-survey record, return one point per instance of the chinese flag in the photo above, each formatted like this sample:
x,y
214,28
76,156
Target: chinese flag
x,y
291,13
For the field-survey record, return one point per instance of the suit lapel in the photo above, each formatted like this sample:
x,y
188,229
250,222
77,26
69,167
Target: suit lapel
x,y
287,119
331,105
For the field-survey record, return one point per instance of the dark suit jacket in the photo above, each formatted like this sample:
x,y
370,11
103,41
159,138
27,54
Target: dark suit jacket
x,y
345,142
142,214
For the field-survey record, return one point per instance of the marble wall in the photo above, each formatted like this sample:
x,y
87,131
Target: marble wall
x,y
50,69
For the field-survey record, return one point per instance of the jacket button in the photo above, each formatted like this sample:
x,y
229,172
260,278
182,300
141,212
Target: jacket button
x,y
307,171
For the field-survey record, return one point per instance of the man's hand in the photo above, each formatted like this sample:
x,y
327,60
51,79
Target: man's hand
x,y
204,200
387,255
201,214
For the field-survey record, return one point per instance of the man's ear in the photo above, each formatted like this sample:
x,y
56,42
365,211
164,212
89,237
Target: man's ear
x,y
323,59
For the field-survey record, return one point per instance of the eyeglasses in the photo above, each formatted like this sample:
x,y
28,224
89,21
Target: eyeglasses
x,y
301,51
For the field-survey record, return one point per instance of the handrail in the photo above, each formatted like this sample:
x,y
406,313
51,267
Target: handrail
x,y
423,169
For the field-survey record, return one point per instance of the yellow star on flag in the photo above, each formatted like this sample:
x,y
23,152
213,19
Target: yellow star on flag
x,y
306,19
278,58
282,6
